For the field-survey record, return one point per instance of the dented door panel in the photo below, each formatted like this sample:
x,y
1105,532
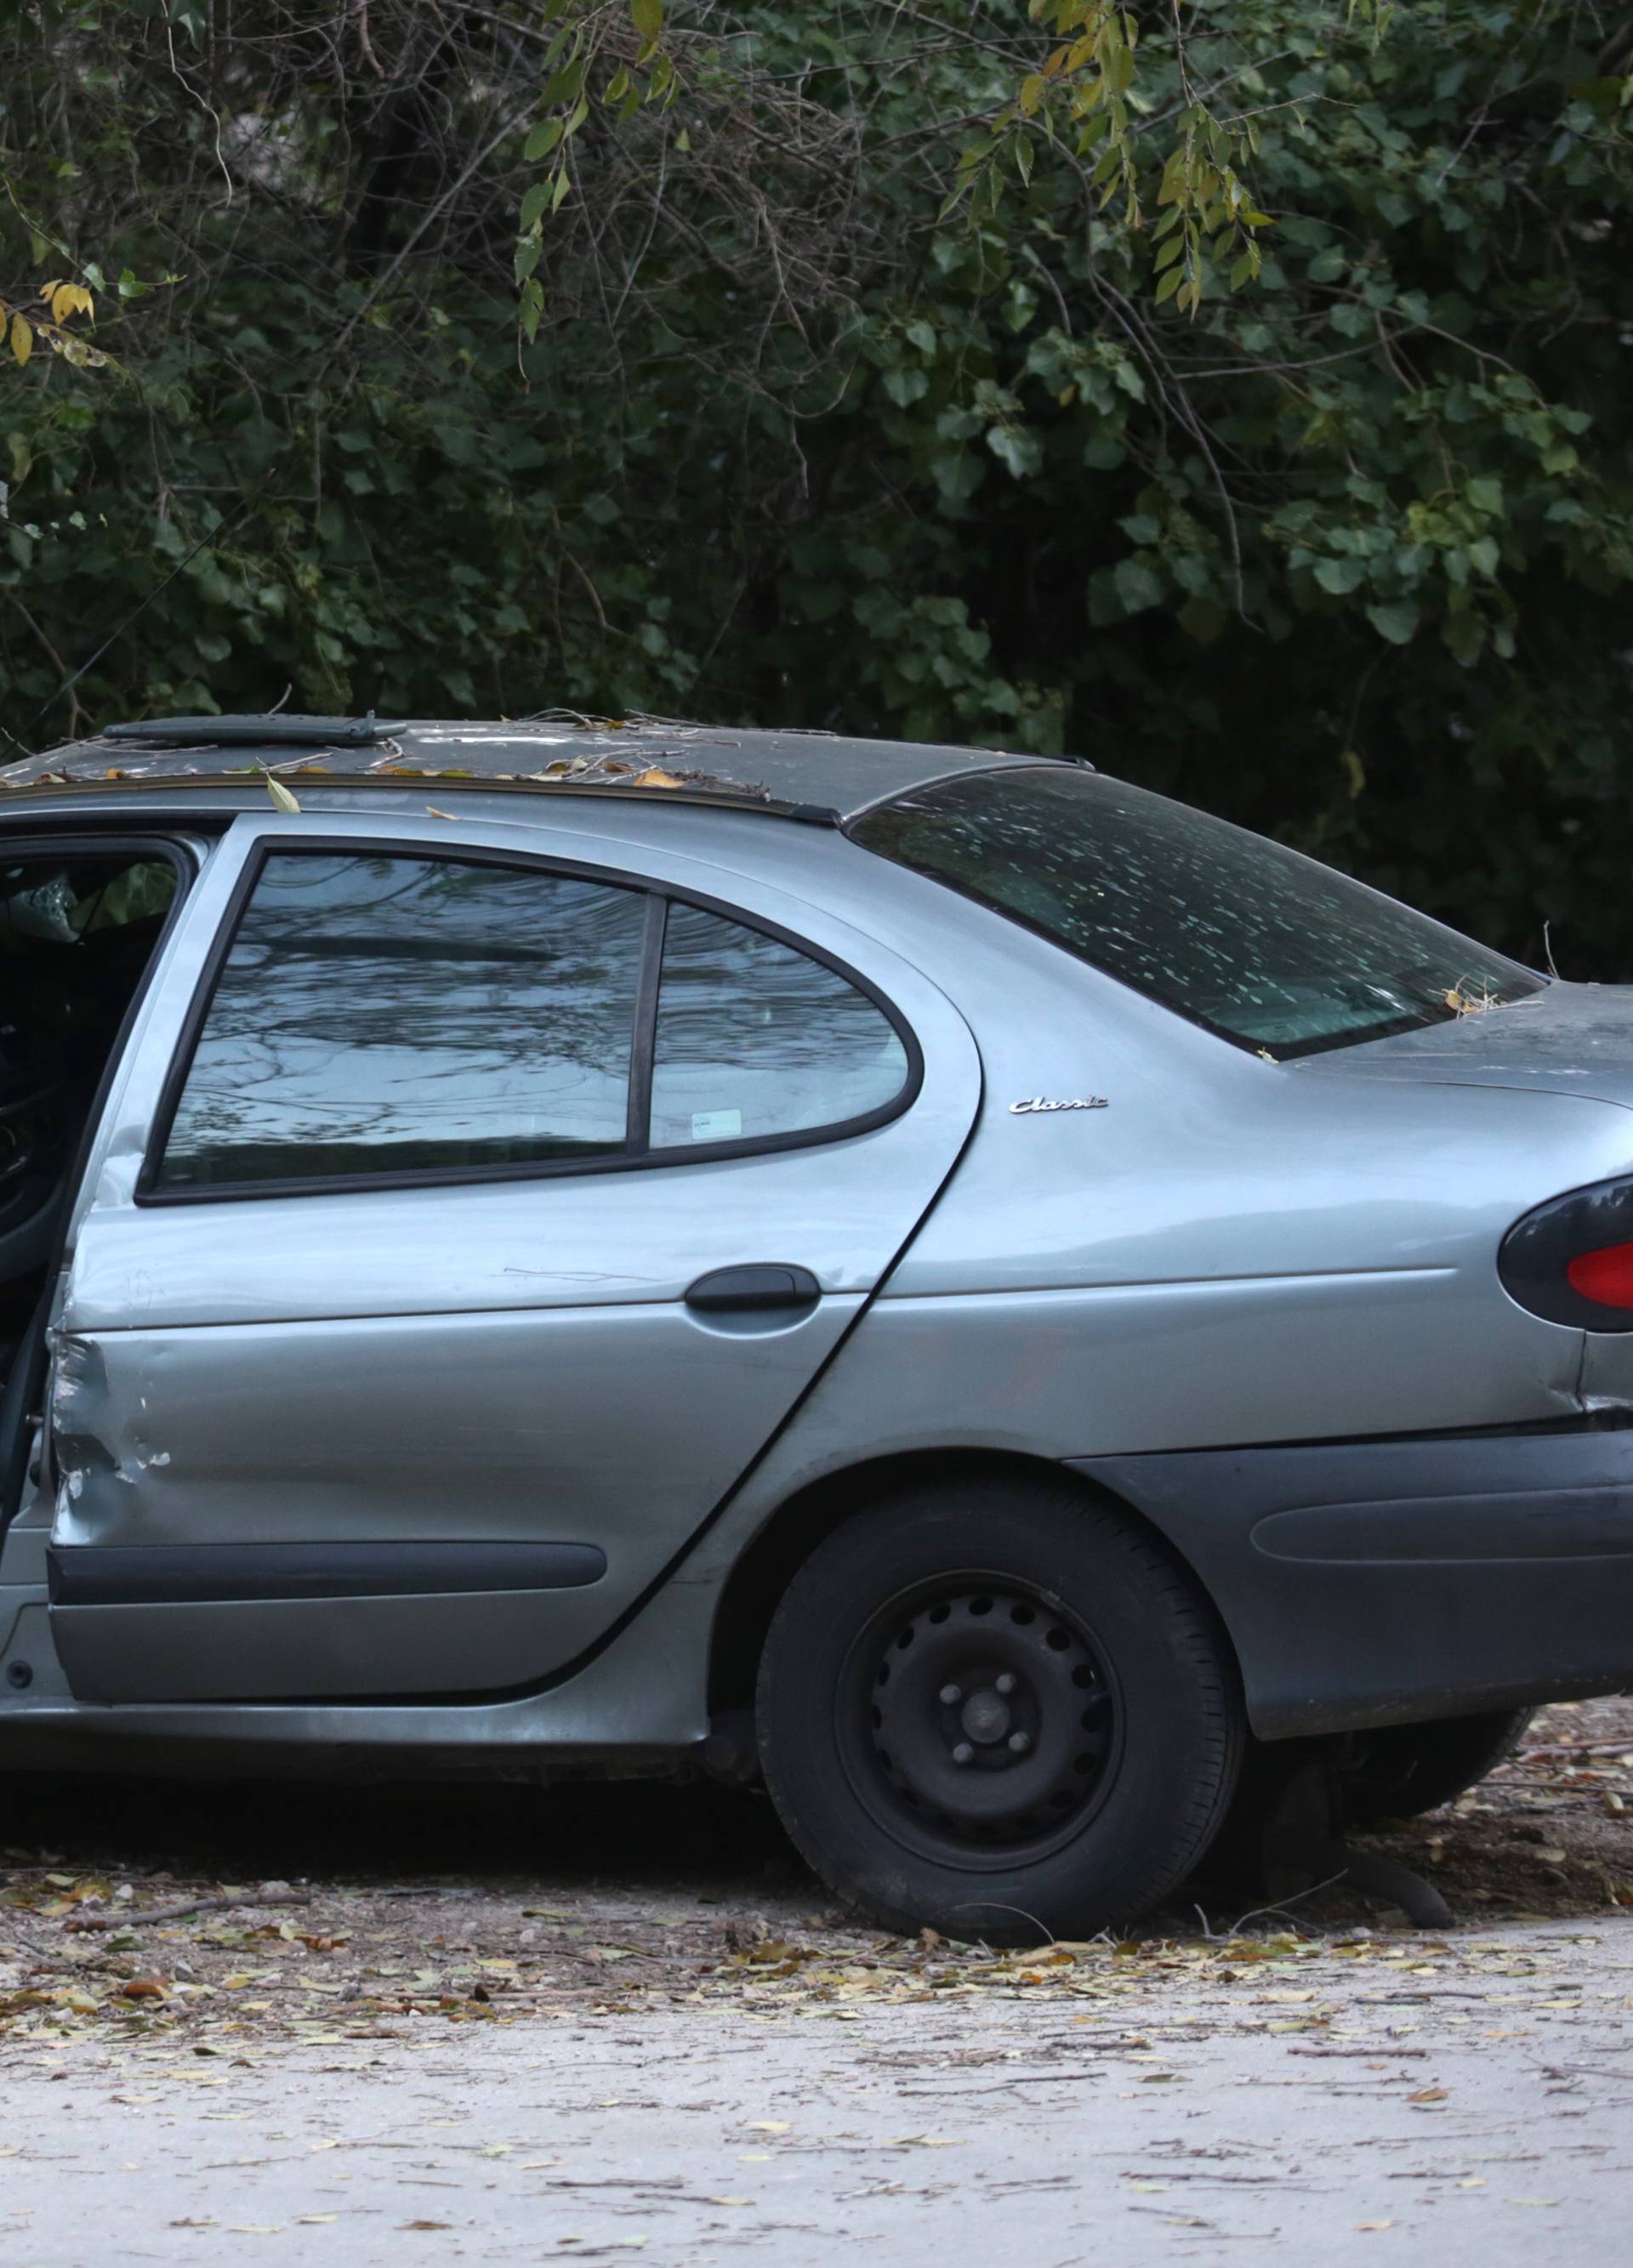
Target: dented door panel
x,y
572,1425
371,1372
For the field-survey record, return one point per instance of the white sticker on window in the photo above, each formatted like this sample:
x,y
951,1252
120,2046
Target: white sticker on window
x,y
716,1125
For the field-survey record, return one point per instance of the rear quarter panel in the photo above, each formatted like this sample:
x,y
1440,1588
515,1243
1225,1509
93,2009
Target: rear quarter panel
x,y
1229,1253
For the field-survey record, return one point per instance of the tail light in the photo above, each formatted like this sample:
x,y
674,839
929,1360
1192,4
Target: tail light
x,y
1571,1260
1604,1277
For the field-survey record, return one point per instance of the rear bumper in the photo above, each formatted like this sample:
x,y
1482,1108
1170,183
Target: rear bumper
x,y
1381,1582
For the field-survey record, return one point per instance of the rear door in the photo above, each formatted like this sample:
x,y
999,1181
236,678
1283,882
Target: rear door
x,y
465,1224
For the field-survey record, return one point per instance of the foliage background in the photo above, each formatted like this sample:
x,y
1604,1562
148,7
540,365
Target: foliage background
x,y
1345,554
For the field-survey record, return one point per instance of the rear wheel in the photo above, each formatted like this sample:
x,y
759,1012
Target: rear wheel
x,y
1405,1769
998,1710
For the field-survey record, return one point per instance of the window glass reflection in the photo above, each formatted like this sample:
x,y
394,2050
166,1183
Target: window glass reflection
x,y
756,1039
379,1015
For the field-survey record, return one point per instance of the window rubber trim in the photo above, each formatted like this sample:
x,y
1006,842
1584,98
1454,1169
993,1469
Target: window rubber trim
x,y
644,1030
150,1192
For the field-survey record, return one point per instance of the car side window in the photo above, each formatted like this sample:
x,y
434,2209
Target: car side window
x,y
756,1040
378,1014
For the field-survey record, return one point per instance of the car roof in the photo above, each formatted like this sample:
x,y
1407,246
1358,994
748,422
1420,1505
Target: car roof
x,y
813,774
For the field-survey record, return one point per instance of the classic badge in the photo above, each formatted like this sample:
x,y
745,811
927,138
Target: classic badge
x,y
1040,1102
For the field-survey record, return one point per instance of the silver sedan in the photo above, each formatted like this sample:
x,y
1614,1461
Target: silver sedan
x,y
968,1291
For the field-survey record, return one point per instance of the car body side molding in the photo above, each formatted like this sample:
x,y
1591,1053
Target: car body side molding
x,y
108,1575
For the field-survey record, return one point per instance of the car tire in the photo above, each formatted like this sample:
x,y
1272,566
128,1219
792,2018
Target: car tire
x,y
1403,1769
924,1789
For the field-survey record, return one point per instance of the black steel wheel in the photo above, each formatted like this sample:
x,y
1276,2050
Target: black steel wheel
x,y
1000,1709
994,1720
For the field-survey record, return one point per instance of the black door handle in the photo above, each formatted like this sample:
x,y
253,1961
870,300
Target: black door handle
x,y
760,1290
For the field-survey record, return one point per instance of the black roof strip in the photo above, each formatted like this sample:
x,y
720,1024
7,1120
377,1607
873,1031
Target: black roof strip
x,y
253,731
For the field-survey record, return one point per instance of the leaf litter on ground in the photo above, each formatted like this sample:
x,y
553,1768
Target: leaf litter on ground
x,y
216,1968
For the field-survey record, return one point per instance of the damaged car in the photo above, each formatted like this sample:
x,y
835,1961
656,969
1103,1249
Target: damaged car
x,y
938,1281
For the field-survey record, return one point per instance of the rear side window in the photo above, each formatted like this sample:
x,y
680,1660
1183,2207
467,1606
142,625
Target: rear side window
x,y
432,1018
756,1040
379,1015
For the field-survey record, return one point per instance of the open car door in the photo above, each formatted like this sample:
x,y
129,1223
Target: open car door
x,y
82,917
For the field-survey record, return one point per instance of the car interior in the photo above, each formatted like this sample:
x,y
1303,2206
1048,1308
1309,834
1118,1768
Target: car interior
x,y
76,932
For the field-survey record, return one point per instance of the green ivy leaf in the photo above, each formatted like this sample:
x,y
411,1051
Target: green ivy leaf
x,y
1136,585
1396,620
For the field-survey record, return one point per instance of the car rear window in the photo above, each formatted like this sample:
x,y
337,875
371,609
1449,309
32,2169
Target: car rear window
x,y
1255,942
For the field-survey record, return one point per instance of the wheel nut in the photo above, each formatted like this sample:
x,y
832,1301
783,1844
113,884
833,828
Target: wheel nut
x,y
963,1754
1019,1743
1006,1683
952,1695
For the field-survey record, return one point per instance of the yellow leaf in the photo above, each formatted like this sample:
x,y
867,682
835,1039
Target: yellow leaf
x,y
22,338
70,300
656,778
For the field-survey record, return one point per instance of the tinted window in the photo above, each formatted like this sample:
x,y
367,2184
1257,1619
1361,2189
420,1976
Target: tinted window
x,y
756,1039
1260,945
378,1015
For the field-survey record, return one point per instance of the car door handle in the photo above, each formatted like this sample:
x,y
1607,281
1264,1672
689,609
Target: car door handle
x,y
759,1291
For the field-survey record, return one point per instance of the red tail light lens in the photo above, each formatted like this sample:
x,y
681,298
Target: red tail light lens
x,y
1571,1261
1604,1277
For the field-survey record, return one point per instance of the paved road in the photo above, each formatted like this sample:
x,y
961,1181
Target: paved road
x,y
1470,2105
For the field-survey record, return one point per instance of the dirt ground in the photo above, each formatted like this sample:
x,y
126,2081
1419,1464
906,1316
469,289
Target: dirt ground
x,y
490,2025
371,1913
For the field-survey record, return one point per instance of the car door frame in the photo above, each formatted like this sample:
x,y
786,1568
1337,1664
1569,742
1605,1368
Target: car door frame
x,y
187,853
